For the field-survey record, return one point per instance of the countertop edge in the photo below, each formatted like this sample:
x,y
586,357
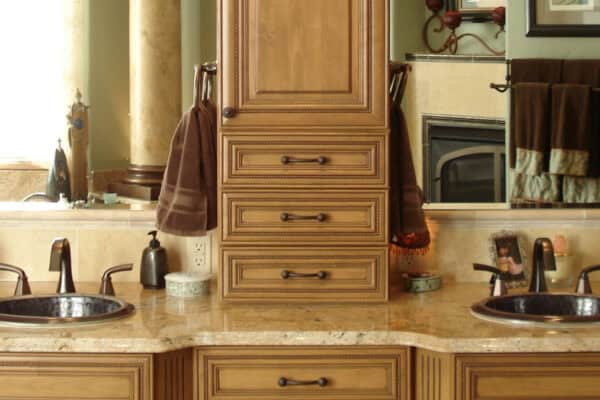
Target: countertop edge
x,y
301,338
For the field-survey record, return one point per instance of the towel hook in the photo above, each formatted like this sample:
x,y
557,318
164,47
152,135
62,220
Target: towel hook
x,y
203,82
398,81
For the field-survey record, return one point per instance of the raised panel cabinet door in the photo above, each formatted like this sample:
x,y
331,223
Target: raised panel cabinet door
x,y
573,376
304,63
303,373
75,377
304,274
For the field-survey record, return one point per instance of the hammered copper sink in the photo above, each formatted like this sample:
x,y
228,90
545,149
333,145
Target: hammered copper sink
x,y
540,308
61,309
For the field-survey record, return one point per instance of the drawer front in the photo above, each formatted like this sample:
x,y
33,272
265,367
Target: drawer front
x,y
531,376
92,376
305,274
300,217
265,374
332,160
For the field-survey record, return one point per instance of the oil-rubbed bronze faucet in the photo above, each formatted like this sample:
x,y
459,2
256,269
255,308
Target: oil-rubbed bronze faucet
x,y
543,260
583,283
22,287
106,286
60,260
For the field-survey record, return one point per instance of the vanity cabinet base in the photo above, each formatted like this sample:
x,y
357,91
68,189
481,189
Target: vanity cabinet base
x,y
307,373
515,376
71,376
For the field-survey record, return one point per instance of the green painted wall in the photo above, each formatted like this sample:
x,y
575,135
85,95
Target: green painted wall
x,y
406,23
198,40
520,46
108,83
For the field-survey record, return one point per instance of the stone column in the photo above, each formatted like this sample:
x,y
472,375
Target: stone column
x,y
155,88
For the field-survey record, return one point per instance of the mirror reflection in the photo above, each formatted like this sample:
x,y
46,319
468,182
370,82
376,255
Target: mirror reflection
x,y
77,98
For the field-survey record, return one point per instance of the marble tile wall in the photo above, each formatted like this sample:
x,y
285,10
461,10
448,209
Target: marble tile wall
x,y
93,249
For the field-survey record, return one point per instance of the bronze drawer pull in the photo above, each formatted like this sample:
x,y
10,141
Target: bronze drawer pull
x,y
285,160
285,217
285,274
283,382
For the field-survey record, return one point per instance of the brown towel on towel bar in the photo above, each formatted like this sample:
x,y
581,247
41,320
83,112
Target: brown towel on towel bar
x,y
570,129
530,71
531,127
408,227
187,205
587,72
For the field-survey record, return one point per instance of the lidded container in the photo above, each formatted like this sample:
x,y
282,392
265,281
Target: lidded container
x,y
154,265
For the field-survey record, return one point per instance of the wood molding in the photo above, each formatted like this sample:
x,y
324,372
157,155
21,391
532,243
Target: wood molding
x,y
434,375
174,375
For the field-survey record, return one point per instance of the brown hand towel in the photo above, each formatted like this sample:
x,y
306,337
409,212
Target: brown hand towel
x,y
531,71
188,197
570,129
408,228
531,127
587,72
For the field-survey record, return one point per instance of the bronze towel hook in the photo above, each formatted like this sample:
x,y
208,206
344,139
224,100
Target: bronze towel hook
x,y
399,77
203,82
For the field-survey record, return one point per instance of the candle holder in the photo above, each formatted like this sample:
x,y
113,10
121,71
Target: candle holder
x,y
451,20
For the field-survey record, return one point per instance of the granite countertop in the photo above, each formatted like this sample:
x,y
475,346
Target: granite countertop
x,y
438,321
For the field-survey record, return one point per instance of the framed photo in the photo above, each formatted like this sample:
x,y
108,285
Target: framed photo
x,y
563,18
476,9
508,255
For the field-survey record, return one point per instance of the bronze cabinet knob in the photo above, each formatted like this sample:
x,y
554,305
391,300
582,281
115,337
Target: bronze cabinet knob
x,y
229,112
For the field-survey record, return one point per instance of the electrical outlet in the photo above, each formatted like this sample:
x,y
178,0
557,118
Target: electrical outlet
x,y
199,254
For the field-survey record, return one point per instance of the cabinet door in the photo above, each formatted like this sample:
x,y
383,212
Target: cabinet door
x,y
81,377
304,63
528,377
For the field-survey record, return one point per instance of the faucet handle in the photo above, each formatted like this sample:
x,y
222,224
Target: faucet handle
x,y
583,283
22,287
498,285
106,286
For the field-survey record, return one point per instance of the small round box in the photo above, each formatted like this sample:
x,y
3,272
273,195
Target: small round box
x,y
424,282
181,284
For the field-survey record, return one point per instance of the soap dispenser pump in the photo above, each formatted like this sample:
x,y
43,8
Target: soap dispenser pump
x,y
154,264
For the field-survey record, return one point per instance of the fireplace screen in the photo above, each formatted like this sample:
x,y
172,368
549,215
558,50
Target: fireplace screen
x,y
464,160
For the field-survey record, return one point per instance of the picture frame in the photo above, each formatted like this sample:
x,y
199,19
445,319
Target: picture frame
x,y
563,18
476,10
507,253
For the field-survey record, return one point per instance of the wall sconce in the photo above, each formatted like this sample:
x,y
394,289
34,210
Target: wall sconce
x,y
451,20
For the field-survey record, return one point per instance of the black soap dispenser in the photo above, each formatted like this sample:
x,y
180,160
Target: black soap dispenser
x,y
154,264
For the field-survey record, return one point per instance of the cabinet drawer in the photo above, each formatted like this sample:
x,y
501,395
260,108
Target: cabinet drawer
x,y
333,160
270,374
90,376
304,217
528,376
304,274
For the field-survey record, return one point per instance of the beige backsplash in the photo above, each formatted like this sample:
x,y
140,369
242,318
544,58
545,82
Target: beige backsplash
x,y
459,239
93,250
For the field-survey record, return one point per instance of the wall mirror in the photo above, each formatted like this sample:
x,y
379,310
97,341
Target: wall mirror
x,y
76,45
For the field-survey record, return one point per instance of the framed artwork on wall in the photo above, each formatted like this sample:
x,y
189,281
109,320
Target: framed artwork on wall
x,y
508,255
476,9
563,18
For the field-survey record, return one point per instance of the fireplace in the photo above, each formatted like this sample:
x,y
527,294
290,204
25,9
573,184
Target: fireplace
x,y
464,160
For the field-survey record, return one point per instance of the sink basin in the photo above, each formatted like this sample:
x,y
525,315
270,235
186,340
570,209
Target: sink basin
x,y
540,309
61,309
